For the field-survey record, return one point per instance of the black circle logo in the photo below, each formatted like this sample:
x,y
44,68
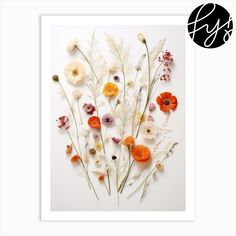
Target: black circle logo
x,y
210,25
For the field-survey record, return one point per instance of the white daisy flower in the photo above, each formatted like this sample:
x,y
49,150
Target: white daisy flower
x,y
149,130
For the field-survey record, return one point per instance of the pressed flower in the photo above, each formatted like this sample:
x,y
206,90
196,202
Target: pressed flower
x,y
130,83
150,118
113,68
110,89
75,159
140,117
116,140
69,149
141,153
101,178
129,141
108,120
89,108
141,38
138,67
76,94
74,72
166,56
151,107
159,165
84,130
72,44
55,78
116,78
99,160
167,102
94,122
98,146
92,151
149,130
96,136
63,122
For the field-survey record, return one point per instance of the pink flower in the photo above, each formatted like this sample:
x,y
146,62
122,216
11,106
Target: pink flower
x,y
108,120
167,58
89,108
96,136
150,118
152,106
116,140
63,122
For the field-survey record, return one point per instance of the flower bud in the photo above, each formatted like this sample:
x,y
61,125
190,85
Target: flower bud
x,y
141,38
55,78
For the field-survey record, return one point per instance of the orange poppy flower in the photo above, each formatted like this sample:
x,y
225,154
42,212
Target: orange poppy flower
x,y
94,122
75,159
129,141
167,102
141,153
110,89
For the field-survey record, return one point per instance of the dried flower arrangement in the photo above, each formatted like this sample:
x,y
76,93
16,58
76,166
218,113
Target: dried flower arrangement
x,y
115,127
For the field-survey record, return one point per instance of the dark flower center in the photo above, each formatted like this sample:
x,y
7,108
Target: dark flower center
x,y
75,72
166,102
148,130
107,120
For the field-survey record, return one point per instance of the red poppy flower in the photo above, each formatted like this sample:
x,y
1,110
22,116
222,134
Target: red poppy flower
x,y
167,101
94,122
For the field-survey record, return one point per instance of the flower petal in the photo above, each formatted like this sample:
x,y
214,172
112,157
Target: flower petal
x,y
166,95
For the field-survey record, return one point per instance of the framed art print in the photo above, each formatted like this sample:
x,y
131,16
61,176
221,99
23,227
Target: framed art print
x,y
118,107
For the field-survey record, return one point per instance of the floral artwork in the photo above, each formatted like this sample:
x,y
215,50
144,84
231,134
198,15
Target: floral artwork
x,y
117,133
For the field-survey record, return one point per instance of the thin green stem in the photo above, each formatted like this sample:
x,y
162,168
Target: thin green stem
x,y
89,63
127,175
142,183
83,165
73,115
104,150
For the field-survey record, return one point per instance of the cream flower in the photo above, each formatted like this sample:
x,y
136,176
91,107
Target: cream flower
x,y
159,166
72,44
76,94
141,38
113,69
149,130
84,131
74,72
99,161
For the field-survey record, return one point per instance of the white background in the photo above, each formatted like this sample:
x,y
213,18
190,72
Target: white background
x,y
69,190
215,125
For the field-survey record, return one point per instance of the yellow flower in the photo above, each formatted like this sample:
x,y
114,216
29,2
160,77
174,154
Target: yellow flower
x,y
110,89
140,117
130,83
98,146
159,166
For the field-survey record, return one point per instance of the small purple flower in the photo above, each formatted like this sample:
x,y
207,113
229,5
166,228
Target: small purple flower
x,y
116,78
116,140
152,106
96,136
89,108
108,120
